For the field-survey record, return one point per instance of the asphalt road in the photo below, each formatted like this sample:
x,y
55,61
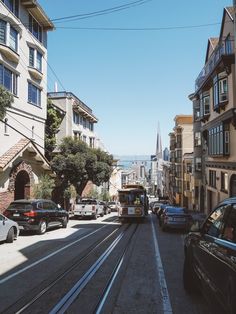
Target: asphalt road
x,y
149,279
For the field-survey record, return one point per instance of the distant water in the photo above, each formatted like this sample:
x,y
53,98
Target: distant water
x,y
127,161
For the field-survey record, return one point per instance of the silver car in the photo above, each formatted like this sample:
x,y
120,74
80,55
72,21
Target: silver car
x,y
9,229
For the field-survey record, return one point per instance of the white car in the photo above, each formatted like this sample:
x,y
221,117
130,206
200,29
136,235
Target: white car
x,y
9,229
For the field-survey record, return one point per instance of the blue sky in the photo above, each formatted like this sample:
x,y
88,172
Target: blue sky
x,y
132,80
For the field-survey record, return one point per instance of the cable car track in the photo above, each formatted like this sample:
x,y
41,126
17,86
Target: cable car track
x,y
27,303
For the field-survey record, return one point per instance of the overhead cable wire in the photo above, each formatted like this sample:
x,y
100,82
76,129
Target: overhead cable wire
x,y
100,12
138,29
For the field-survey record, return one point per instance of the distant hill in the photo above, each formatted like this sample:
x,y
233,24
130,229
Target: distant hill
x,y
126,161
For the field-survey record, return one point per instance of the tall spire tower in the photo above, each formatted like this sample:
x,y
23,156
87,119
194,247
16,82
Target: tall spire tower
x,y
158,143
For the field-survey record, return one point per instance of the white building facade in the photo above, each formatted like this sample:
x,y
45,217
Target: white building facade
x,y
23,72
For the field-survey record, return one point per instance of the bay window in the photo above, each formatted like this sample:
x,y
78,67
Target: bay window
x,y
8,79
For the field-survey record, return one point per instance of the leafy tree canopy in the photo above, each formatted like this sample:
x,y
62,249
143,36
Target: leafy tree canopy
x,y
77,164
6,99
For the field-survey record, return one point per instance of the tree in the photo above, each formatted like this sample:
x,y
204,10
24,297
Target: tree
x,y
53,122
6,99
44,188
77,164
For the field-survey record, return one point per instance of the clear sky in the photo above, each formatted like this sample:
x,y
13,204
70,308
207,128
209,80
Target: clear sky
x,y
131,79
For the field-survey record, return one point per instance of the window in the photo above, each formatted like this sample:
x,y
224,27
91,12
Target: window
x,y
214,224
77,135
8,79
197,139
35,59
35,28
229,232
220,89
76,117
228,45
5,126
219,138
224,181
204,104
34,95
212,178
198,164
13,6
3,29
32,133
91,142
12,41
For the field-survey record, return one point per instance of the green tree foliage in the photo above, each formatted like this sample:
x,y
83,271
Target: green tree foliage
x,y
77,164
53,122
6,99
44,188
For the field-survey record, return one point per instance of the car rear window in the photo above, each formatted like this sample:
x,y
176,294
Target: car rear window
x,y
89,202
20,206
173,210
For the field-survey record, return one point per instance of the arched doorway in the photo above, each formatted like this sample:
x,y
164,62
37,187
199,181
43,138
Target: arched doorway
x,y
22,185
233,185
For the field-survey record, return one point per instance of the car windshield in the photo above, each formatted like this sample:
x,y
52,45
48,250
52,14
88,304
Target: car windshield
x,y
175,210
20,206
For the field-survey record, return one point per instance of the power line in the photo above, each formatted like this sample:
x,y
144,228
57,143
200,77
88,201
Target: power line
x,y
100,12
139,29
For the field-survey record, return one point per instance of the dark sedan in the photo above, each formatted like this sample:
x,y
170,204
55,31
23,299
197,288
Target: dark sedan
x,y
175,218
210,258
37,214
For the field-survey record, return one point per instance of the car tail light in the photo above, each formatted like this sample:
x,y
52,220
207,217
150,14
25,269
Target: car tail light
x,y
30,214
94,208
6,213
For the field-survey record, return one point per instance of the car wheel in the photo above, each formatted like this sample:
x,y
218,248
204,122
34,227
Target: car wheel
x,y
95,216
189,276
64,222
10,235
42,227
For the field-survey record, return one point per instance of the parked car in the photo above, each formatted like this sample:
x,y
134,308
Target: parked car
x,y
106,208
88,207
37,214
159,211
9,229
113,205
210,257
176,218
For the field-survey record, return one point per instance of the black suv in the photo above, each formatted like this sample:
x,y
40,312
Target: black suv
x,y
210,257
37,214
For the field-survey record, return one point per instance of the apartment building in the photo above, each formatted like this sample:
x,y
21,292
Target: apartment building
x,y
78,120
23,72
181,142
214,111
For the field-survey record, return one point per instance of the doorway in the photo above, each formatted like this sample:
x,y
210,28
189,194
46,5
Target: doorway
x,y
233,185
22,185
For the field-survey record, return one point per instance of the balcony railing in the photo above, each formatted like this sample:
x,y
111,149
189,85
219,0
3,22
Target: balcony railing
x,y
223,48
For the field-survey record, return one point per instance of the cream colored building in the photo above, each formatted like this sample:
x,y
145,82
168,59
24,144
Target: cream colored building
x,y
181,142
214,105
23,72
78,120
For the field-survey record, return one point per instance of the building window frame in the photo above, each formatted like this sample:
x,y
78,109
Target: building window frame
x,y
35,28
13,6
224,182
34,94
8,79
9,36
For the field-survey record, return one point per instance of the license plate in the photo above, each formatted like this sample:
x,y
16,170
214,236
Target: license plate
x,y
131,211
16,215
179,219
